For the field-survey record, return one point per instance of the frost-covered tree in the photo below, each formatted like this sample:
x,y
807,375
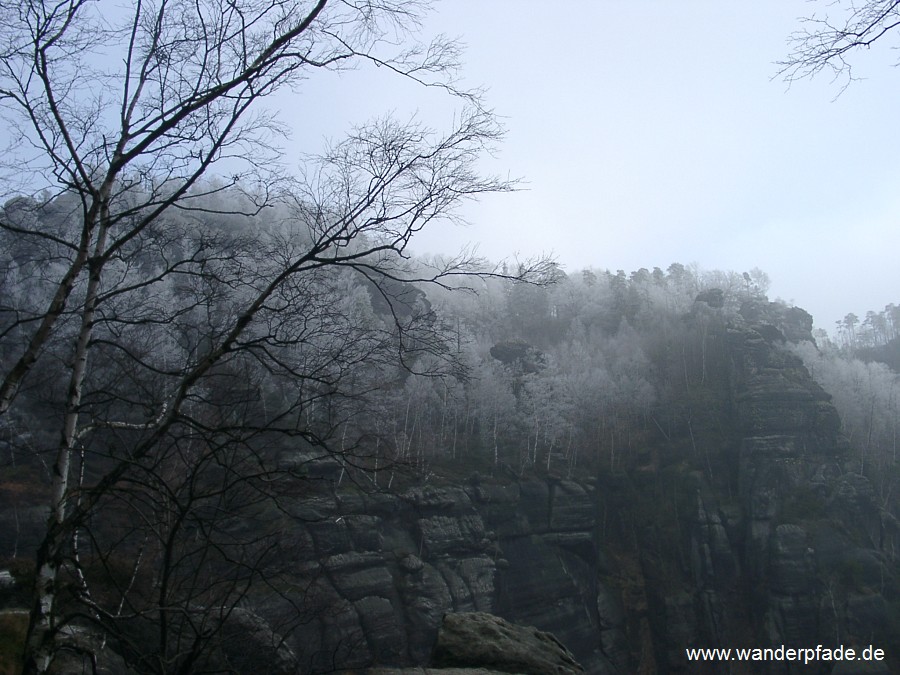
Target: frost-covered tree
x,y
171,294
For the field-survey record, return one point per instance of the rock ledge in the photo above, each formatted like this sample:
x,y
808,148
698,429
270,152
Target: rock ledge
x,y
481,640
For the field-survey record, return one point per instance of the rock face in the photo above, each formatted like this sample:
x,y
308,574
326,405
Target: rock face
x,y
789,435
791,469
389,567
792,560
477,639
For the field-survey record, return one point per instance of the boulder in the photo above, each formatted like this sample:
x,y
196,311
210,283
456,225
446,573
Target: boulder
x,y
432,671
481,640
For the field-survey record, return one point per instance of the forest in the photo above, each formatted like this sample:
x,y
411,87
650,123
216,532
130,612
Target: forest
x,y
202,353
504,372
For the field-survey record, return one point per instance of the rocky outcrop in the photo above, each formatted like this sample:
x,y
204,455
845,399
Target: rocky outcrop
x,y
799,497
776,540
804,543
482,640
789,434
419,670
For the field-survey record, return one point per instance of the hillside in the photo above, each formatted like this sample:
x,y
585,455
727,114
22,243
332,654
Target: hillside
x,y
636,464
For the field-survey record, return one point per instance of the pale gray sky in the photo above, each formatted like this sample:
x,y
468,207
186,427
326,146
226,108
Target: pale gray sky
x,y
651,131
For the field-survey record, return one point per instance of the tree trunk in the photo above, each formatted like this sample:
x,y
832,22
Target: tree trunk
x,y
39,641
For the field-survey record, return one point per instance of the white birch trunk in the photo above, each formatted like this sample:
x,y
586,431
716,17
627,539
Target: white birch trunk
x,y
40,644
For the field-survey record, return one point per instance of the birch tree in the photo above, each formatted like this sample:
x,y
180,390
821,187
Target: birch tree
x,y
130,116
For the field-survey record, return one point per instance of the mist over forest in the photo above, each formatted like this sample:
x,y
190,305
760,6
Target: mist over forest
x,y
243,428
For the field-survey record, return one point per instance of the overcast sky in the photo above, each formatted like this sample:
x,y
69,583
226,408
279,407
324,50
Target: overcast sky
x,y
652,131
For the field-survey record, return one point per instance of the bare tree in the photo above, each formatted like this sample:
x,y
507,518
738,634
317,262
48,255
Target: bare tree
x,y
154,331
825,43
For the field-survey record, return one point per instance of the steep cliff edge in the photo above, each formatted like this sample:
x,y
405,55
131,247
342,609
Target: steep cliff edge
x,y
788,546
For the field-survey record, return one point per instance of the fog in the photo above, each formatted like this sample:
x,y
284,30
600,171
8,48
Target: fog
x,y
652,132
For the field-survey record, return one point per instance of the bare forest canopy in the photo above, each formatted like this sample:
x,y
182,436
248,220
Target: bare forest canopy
x,y
560,373
554,370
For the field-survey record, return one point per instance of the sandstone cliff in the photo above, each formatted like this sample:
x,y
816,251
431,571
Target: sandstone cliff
x,y
746,526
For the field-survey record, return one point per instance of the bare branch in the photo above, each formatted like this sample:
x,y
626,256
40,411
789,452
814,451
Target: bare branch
x,y
826,44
